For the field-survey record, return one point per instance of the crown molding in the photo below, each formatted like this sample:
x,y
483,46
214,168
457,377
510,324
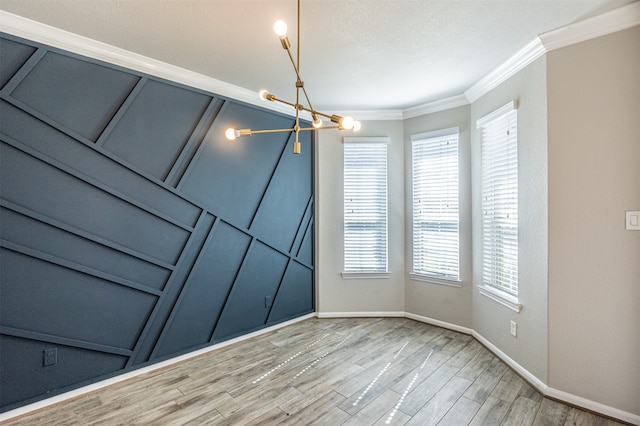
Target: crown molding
x,y
506,70
616,20
35,31
382,114
435,106
610,22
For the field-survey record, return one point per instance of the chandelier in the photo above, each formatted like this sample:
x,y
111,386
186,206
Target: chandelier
x,y
337,122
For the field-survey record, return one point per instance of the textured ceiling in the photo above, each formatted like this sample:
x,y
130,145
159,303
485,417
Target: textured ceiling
x,y
355,54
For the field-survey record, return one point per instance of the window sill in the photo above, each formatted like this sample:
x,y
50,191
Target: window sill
x,y
450,282
365,275
500,297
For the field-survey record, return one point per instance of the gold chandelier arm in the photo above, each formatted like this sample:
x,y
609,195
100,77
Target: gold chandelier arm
x,y
308,100
298,106
290,130
302,107
296,62
275,99
318,128
330,117
299,77
304,90
293,63
257,132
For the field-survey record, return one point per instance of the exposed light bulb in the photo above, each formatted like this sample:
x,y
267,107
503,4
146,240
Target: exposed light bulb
x,y
280,28
231,133
266,96
357,126
317,122
346,123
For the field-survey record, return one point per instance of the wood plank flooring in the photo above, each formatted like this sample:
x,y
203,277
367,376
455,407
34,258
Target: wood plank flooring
x,y
362,371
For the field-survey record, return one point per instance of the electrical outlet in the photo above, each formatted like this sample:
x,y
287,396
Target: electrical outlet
x,y
50,357
633,221
514,329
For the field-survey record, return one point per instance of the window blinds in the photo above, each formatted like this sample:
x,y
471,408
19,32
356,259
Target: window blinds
x,y
436,206
500,199
365,206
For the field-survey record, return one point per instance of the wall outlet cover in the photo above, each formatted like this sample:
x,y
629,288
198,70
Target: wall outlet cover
x,y
633,220
50,357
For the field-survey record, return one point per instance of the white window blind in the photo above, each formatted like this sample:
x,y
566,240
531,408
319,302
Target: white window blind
x,y
436,204
365,205
499,136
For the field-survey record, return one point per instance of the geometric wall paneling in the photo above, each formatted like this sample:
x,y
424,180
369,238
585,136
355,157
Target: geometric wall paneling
x,y
50,191
19,229
131,230
305,251
80,95
302,228
13,55
105,171
22,374
230,178
285,201
193,144
156,127
206,291
295,294
161,314
58,301
253,292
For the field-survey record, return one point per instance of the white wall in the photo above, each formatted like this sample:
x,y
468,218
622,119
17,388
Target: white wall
x,y
594,176
444,303
335,294
490,319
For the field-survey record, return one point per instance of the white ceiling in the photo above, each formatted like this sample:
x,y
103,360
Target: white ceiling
x,y
355,54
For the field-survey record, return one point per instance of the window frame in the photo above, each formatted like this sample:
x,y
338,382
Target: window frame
x,y
497,189
431,140
348,271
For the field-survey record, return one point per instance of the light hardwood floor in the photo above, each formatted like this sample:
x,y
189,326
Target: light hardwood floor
x,y
364,371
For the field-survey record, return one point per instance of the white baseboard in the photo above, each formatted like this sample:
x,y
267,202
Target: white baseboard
x,y
386,314
593,406
533,380
540,386
438,323
20,411
523,372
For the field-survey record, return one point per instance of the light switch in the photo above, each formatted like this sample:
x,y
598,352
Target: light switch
x,y
633,221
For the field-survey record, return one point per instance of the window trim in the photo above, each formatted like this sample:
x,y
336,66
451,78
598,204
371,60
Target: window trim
x,y
364,275
432,279
501,297
348,275
423,276
494,293
435,134
504,109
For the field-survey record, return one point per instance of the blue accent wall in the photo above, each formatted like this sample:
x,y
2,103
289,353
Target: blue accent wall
x,y
131,230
